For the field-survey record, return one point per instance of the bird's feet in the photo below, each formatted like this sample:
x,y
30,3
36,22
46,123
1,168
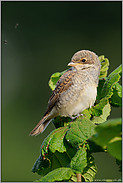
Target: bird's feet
x,y
74,117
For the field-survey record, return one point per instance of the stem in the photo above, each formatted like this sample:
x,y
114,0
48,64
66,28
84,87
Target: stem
x,y
78,177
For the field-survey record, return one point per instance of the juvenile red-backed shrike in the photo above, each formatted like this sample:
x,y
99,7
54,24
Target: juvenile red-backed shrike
x,y
75,91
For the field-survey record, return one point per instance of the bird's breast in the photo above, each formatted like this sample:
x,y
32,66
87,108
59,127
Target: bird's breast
x,y
76,99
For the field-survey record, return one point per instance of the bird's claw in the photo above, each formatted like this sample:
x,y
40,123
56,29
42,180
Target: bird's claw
x,y
74,117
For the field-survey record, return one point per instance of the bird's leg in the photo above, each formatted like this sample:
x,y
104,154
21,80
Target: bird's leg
x,y
80,115
74,117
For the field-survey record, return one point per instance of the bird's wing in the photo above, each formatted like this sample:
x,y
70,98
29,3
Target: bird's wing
x,y
64,82
62,85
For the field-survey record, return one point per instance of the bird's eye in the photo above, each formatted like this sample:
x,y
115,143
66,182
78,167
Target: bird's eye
x,y
83,60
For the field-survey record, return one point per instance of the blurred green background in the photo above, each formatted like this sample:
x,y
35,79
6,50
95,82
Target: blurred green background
x,y
48,35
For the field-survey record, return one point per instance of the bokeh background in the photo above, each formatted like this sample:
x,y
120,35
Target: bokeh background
x,y
48,35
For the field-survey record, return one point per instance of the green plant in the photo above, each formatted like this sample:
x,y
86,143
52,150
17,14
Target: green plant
x,y
67,151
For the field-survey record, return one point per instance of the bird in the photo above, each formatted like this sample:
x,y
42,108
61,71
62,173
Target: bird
x,y
75,91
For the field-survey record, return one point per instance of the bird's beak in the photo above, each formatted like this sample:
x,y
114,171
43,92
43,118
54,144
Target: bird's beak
x,y
71,64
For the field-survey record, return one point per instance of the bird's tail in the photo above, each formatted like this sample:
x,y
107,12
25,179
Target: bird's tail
x,y
40,127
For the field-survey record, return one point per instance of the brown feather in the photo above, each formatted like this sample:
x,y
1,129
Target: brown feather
x,y
64,82
40,127
62,85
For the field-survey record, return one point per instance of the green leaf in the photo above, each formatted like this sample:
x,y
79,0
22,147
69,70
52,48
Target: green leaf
x,y
105,113
51,161
97,110
55,141
61,121
55,152
80,130
115,147
90,170
79,161
86,113
40,164
116,98
104,66
108,88
99,89
111,80
88,173
109,136
59,174
73,179
54,78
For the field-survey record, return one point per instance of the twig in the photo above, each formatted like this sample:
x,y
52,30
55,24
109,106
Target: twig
x,y
78,177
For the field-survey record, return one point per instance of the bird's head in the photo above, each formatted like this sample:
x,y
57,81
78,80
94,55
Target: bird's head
x,y
84,59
